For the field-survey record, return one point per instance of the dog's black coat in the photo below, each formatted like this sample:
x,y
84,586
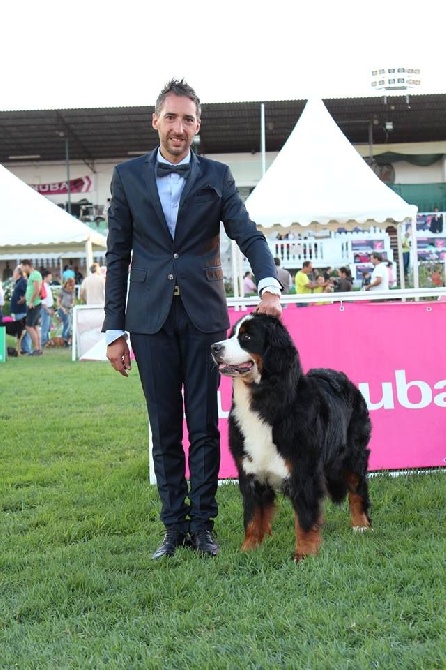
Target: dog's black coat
x,y
319,423
14,328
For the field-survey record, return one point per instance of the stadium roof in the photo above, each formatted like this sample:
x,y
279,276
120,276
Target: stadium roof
x,y
110,133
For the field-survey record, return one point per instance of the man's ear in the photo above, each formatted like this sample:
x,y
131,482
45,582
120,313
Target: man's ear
x,y
154,121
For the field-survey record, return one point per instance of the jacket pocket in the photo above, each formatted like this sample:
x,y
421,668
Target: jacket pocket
x,y
205,194
214,273
138,274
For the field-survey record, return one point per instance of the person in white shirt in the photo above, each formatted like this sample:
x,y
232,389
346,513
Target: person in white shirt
x,y
47,307
93,287
380,275
249,285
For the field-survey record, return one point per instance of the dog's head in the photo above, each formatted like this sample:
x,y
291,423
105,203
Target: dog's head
x,y
258,347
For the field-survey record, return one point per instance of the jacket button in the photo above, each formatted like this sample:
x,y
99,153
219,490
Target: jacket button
x,y
170,277
175,255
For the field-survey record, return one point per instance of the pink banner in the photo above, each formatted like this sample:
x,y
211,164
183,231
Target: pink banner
x,y
396,355
79,185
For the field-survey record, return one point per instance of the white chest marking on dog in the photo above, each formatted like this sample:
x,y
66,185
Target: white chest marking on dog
x,y
262,460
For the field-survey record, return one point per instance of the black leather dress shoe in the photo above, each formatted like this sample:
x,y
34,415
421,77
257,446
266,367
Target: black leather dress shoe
x,y
172,539
204,542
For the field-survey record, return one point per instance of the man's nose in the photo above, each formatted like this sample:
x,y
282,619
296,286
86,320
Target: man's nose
x,y
178,126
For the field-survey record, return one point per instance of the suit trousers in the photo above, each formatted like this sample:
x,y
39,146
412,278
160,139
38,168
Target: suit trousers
x,y
175,362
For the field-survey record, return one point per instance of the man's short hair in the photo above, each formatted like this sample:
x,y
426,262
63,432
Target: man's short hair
x,y
306,264
277,260
45,273
181,88
94,267
26,261
378,256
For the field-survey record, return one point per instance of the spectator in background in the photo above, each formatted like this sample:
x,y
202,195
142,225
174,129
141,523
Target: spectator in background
x,y
391,273
68,273
405,248
283,276
7,272
34,305
380,276
65,302
249,286
303,283
18,305
328,273
78,276
344,283
93,287
321,287
366,279
436,222
47,308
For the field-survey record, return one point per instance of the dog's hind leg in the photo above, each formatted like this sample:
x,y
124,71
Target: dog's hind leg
x,y
258,512
358,502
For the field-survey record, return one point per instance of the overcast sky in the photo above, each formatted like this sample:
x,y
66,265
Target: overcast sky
x,y
98,53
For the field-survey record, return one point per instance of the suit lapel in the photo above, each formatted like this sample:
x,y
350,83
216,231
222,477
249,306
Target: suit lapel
x,y
150,179
192,178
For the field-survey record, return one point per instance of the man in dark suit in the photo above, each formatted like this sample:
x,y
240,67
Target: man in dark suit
x,y
167,225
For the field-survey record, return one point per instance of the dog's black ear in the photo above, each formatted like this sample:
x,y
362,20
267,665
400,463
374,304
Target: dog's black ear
x,y
281,356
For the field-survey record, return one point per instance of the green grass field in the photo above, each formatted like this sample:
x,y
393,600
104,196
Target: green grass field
x,y
79,521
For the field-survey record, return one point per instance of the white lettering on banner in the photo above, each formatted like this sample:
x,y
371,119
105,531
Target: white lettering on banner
x,y
79,185
424,393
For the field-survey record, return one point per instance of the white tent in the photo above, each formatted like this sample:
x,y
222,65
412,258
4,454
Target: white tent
x,y
32,224
319,179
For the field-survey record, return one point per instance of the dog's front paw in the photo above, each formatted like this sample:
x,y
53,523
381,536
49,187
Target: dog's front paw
x,y
297,558
361,529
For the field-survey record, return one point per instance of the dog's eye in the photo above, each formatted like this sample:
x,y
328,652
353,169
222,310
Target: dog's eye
x,y
244,337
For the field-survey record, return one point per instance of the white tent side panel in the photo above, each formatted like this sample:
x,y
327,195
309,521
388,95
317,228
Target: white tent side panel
x,y
30,221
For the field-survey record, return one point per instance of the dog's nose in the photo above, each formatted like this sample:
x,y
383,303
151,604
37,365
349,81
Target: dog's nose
x,y
217,348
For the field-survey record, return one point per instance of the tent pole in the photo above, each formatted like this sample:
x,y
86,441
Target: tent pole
x,y
235,281
88,253
262,137
414,253
400,255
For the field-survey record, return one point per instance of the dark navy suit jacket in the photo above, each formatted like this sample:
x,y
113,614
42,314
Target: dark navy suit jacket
x,y
138,235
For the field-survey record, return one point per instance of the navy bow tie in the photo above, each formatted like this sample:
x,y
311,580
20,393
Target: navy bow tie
x,y
163,169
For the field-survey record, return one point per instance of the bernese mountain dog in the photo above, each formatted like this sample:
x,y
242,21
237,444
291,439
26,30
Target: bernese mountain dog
x,y
304,435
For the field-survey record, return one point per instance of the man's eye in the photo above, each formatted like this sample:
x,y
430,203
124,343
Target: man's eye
x,y
245,337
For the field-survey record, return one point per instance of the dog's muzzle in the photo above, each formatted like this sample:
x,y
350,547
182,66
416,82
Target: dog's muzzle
x,y
224,368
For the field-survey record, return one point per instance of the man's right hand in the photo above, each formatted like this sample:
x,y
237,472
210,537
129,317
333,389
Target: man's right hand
x,y
118,354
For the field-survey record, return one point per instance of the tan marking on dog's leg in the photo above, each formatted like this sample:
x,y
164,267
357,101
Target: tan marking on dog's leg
x,y
253,532
268,516
256,528
307,542
358,517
